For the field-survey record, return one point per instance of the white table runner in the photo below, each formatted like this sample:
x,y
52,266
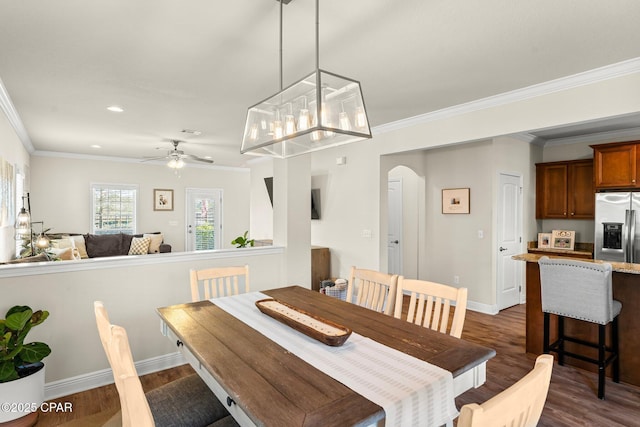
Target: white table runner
x,y
411,392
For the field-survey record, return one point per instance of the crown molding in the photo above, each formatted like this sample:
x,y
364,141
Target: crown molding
x,y
14,118
600,137
132,160
564,83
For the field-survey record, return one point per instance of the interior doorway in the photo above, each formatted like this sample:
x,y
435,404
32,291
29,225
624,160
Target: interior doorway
x,y
394,230
405,205
509,240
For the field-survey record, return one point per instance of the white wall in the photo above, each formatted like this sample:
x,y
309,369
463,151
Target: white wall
x,y
454,248
261,216
350,195
60,194
11,150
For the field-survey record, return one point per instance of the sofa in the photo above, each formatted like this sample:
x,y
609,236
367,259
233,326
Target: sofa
x,y
106,245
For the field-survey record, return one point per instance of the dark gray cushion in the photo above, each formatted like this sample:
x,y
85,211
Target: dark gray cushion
x,y
186,402
101,245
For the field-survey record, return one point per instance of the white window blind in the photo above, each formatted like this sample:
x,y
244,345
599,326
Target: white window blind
x,y
113,208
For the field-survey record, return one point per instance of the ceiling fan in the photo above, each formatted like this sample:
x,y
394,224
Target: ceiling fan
x,y
177,157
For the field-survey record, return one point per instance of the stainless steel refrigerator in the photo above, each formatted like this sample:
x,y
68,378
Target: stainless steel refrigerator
x,y
617,227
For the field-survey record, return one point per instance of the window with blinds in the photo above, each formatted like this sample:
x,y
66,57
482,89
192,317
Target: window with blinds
x,y
113,208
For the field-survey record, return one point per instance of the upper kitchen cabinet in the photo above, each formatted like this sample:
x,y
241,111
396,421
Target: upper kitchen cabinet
x,y
616,165
564,190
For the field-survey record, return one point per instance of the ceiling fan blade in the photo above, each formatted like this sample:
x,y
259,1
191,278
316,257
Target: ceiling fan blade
x,y
146,159
199,159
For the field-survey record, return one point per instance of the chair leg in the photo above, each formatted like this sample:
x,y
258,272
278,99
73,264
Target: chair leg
x,y
616,350
545,336
561,340
601,360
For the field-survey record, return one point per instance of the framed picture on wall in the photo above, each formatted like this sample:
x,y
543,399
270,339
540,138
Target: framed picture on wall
x,y
563,239
544,240
162,200
455,201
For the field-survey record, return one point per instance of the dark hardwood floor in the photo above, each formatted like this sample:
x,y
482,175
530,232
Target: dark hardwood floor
x,y
571,401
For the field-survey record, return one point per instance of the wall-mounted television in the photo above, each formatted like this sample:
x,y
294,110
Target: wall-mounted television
x,y
315,197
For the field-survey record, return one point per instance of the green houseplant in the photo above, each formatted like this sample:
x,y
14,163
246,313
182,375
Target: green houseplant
x,y
17,359
243,241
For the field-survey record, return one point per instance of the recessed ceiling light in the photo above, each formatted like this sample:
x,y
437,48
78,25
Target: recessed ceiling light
x,y
96,146
115,109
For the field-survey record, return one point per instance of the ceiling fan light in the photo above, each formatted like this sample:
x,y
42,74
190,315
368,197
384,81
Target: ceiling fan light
x,y
175,163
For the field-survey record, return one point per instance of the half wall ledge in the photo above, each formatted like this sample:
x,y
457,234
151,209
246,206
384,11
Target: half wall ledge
x,y
50,267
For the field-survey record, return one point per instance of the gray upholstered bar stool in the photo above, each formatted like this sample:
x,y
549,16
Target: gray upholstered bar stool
x,y
581,290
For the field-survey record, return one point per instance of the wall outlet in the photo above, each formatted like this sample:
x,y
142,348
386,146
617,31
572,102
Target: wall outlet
x,y
366,233
456,280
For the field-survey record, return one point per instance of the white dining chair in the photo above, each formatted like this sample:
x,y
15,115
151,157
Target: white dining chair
x,y
372,289
218,282
520,405
430,304
186,401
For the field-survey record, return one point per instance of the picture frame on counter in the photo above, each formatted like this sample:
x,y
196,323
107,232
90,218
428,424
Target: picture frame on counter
x,y
563,239
544,240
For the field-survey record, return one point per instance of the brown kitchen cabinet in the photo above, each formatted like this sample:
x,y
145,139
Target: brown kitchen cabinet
x,y
565,190
616,165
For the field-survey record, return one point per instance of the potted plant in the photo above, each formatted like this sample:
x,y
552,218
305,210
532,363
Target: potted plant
x,y
21,367
243,241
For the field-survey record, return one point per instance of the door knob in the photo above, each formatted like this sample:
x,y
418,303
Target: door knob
x,y
395,241
502,249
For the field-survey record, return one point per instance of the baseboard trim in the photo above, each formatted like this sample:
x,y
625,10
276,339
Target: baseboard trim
x,y
482,308
60,388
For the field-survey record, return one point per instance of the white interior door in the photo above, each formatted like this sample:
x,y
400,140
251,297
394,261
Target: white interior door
x,y
394,235
204,219
509,236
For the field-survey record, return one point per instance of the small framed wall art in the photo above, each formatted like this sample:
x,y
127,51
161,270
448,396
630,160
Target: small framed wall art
x,y
544,240
162,200
455,201
563,239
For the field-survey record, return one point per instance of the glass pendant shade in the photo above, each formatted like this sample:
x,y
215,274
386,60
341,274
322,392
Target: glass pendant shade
x,y
337,102
23,224
43,241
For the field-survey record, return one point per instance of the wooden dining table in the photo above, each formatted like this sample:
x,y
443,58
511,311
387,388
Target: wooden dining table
x,y
263,384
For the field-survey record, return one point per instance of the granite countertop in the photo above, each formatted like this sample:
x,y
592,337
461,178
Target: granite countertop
x,y
620,267
551,251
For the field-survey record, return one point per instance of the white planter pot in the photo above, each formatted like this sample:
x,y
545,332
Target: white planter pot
x,y
22,396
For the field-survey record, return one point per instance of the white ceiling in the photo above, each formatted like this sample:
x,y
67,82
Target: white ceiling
x,y
198,64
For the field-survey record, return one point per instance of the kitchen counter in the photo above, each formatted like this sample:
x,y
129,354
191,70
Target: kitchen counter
x,y
620,267
626,289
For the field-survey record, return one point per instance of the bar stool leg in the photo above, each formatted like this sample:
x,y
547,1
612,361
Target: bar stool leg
x,y
616,350
545,334
601,360
560,340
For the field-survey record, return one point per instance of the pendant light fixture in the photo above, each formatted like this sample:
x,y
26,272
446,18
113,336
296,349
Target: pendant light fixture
x,y
319,111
